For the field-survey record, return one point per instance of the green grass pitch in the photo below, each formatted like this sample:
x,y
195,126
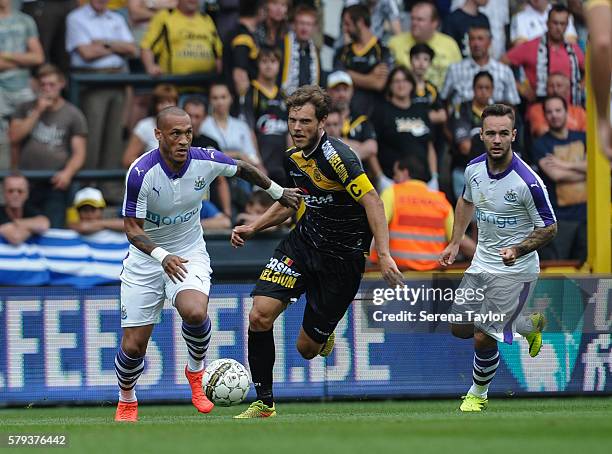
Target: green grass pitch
x,y
530,426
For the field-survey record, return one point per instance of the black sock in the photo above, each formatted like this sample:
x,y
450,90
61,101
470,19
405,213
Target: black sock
x,y
261,362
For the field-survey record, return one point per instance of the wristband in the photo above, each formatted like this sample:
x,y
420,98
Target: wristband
x,y
159,254
275,191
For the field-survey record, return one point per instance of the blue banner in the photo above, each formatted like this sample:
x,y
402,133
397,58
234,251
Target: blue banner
x,y
63,257
58,345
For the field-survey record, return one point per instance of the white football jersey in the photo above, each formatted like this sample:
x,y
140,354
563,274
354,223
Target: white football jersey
x,y
509,205
170,202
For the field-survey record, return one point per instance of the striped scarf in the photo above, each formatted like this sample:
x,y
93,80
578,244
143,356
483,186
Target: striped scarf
x,y
291,64
543,70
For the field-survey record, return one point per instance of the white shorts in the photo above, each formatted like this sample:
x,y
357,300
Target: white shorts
x,y
145,286
494,303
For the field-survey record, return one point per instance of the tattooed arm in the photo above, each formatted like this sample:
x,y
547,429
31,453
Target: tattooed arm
x,y
252,174
290,197
172,264
536,239
136,235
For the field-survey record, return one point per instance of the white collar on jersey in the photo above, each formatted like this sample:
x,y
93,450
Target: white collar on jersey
x,y
307,155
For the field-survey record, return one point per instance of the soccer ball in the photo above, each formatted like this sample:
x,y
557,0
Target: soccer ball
x,y
226,382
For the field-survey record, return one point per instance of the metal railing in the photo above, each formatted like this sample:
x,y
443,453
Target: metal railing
x,y
79,81
109,174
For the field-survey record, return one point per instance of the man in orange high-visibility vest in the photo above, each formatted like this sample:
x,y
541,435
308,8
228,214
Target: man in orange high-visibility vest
x,y
420,219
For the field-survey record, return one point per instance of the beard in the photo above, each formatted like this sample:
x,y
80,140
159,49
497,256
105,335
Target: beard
x,y
502,157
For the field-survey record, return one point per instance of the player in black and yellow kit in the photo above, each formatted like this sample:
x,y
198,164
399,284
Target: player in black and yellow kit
x,y
324,255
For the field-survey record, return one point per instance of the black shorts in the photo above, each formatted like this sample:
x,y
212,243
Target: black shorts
x,y
330,283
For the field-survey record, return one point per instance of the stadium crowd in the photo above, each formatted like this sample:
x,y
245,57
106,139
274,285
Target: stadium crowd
x,y
408,81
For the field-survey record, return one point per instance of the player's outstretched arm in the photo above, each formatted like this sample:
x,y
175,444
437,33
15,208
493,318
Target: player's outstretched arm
x,y
172,264
464,211
288,197
275,215
536,239
375,211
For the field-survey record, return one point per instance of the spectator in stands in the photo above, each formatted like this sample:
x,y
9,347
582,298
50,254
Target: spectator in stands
x,y
464,125
420,219
364,58
272,30
50,134
18,220
548,54
599,18
301,64
140,13
20,49
225,13
50,19
385,19
561,157
424,25
143,136
403,128
459,22
234,136
213,219
219,189
458,84
333,123
182,41
240,52
99,41
532,23
356,130
558,84
258,204
87,214
196,109
498,13
425,92
266,113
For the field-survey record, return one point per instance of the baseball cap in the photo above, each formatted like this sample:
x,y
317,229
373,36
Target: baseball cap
x,y
337,78
89,196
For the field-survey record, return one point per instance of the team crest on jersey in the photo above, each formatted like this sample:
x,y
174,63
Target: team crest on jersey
x,y
199,184
511,196
317,174
123,312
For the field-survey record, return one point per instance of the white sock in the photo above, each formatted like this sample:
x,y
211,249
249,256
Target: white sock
x,y
479,390
194,365
524,325
128,395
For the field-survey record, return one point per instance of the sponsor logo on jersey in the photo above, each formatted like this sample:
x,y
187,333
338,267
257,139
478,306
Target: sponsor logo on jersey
x,y
200,183
334,160
271,125
280,272
159,220
318,200
499,221
415,126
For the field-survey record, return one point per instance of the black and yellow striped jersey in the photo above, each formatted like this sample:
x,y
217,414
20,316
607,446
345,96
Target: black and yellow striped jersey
x,y
333,181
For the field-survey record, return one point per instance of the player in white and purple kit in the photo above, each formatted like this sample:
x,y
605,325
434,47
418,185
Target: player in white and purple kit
x,y
514,218
167,256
